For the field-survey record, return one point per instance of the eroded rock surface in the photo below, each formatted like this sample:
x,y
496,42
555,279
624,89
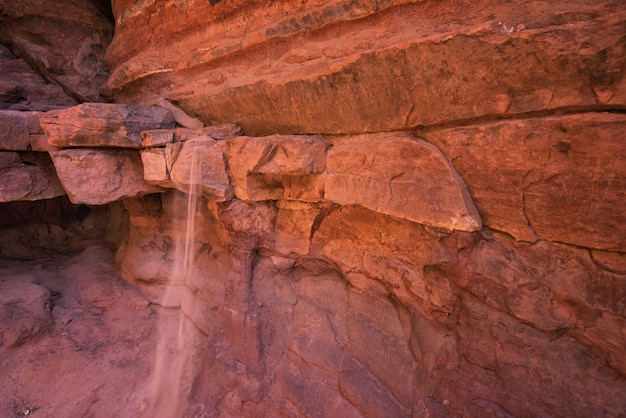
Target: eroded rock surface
x,y
332,310
24,311
554,178
403,177
65,45
103,125
28,176
22,88
423,218
105,175
326,67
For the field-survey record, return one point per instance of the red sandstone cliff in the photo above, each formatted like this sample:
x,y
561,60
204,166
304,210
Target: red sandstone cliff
x,y
405,208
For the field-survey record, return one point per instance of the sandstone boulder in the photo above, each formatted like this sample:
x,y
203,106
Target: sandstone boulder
x,y
96,177
103,125
555,178
201,163
264,168
155,169
403,177
27,176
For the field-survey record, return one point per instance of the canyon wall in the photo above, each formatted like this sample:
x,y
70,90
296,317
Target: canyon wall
x,y
405,208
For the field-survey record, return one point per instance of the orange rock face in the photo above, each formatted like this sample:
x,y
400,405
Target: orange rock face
x,y
558,178
329,67
380,208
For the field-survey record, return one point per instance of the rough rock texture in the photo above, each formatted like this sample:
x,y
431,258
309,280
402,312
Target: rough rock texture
x,y
423,219
403,177
52,227
105,175
560,178
329,67
103,125
92,327
27,176
24,312
263,168
21,88
201,162
65,45
329,311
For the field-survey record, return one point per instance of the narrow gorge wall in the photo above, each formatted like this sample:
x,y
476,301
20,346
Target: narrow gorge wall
x,y
407,208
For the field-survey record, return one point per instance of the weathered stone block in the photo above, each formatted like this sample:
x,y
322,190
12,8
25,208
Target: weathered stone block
x,y
294,221
103,125
261,165
157,137
155,169
96,177
227,131
27,176
400,176
201,163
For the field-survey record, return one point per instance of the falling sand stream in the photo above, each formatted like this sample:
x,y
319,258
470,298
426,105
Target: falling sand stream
x,y
179,338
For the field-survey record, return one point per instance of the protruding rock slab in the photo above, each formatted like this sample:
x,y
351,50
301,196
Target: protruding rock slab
x,y
403,177
27,176
557,178
157,137
96,177
264,167
155,170
103,125
407,64
201,163
226,131
179,115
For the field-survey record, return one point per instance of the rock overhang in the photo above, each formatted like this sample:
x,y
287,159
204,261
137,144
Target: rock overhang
x,y
107,152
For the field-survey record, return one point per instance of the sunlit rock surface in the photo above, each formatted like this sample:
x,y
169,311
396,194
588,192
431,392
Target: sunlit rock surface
x,y
331,67
365,209
403,177
560,178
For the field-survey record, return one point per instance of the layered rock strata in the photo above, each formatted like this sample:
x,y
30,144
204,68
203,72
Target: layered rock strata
x,y
331,68
379,172
424,217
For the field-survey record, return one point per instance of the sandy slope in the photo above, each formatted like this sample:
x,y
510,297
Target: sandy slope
x,y
78,341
